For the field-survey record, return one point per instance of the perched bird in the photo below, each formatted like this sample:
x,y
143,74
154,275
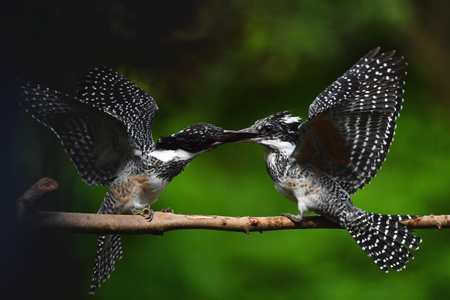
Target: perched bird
x,y
107,132
320,162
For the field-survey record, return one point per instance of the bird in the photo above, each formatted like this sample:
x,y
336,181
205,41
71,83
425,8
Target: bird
x,y
318,163
107,132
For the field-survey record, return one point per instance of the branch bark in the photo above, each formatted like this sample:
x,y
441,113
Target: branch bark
x,y
64,222
162,222
30,200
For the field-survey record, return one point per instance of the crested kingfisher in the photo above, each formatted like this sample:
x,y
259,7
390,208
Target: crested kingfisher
x,y
107,132
320,162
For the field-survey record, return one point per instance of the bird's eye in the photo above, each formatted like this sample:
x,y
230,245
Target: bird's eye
x,y
268,128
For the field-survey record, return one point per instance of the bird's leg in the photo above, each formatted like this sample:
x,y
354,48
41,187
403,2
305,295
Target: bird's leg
x,y
144,211
295,218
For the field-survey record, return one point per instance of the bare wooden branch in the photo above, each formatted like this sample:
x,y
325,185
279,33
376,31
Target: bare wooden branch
x,y
429,222
163,222
64,222
29,201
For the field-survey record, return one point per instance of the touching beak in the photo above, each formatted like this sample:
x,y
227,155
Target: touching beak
x,y
249,136
232,136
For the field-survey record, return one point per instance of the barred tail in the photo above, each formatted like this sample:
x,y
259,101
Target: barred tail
x,y
384,239
109,249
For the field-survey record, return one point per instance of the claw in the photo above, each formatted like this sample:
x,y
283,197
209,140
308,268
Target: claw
x,y
294,218
144,211
150,215
167,210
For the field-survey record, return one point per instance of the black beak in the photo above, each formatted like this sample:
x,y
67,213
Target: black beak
x,y
231,136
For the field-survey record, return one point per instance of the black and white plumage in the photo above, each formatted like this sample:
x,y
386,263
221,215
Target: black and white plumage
x,y
107,132
320,162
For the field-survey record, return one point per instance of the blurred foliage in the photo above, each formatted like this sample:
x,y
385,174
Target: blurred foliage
x,y
228,63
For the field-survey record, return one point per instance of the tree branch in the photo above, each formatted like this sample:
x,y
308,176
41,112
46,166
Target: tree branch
x,y
163,222
64,222
30,200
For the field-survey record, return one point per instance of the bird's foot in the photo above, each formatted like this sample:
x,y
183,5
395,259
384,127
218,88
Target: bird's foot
x,y
167,210
145,211
293,218
150,213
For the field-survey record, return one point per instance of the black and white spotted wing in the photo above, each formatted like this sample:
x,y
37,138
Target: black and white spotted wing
x,y
351,124
345,85
117,96
95,142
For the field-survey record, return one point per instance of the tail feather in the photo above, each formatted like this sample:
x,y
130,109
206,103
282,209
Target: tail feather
x,y
109,250
403,234
385,240
109,247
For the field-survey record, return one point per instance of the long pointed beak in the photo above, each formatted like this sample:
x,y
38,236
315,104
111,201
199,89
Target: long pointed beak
x,y
232,136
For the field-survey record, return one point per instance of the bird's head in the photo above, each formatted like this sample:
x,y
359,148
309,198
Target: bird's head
x,y
276,131
201,137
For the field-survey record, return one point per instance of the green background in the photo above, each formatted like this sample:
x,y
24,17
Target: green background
x,y
227,63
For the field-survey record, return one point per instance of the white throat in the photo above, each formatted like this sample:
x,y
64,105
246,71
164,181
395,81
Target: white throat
x,y
285,148
173,155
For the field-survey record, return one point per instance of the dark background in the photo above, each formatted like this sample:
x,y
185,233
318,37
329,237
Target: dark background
x,y
227,63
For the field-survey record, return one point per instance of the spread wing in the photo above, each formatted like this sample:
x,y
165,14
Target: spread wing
x,y
351,124
345,85
96,143
120,98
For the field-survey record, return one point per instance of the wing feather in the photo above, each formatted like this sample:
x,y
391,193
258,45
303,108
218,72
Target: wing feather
x,y
96,143
351,124
117,96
